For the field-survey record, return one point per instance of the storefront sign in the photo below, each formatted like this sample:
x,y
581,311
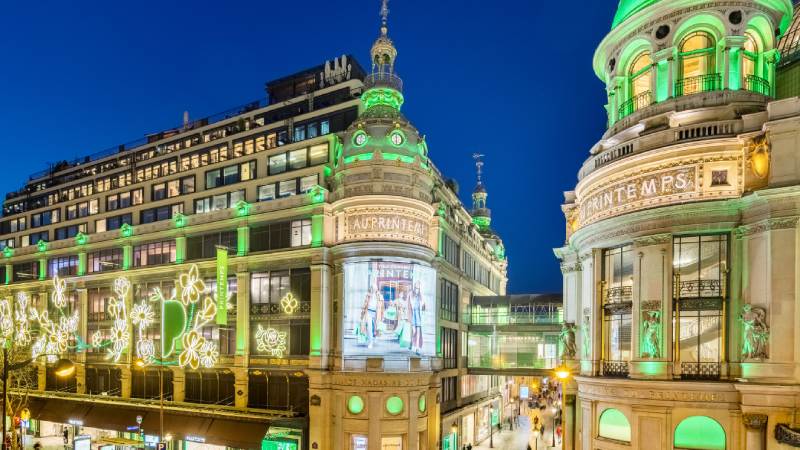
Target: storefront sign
x,y
373,223
638,192
392,443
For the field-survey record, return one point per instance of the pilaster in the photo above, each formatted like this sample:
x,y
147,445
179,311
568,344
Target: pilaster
x,y
178,384
321,319
126,381
242,356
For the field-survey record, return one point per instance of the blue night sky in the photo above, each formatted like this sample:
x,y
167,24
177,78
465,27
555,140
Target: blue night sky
x,y
510,79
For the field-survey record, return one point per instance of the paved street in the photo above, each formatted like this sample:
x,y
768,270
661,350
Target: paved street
x,y
521,436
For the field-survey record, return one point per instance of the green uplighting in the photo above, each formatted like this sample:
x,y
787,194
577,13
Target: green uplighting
x,y
422,405
127,257
394,405
81,263
42,269
614,425
382,96
126,230
42,245
395,156
397,138
81,239
317,195
360,138
242,208
222,285
179,220
482,222
700,432
317,230
359,157
8,252
242,240
355,404
628,8
180,249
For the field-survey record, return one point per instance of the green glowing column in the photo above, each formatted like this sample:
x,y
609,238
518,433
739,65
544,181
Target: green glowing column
x,y
83,311
664,74
242,318
42,268
321,313
9,273
81,263
127,257
180,249
242,240
317,230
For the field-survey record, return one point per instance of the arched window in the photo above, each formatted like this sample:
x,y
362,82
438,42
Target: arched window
x,y
699,433
639,79
697,65
614,425
750,74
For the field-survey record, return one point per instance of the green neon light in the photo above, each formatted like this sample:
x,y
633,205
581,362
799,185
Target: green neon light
x,y
81,239
9,273
42,268
173,324
628,8
126,230
395,156
317,195
179,220
180,249
8,252
222,285
394,405
614,425
700,432
482,222
382,96
317,230
355,404
662,80
242,208
242,240
337,152
421,404
42,245
327,170
359,157
81,263
127,257
735,77
500,252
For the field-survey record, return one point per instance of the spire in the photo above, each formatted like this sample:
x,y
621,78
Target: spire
x,y
384,87
481,215
383,51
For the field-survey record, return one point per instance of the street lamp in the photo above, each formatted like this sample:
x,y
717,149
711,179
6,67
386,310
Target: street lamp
x,y
454,433
140,364
63,368
562,374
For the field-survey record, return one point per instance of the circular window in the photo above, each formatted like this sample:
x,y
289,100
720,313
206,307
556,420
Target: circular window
x,y
355,404
735,17
359,139
662,32
394,405
422,405
612,64
396,138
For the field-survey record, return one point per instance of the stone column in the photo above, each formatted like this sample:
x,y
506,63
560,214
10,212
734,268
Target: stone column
x,y
178,384
80,378
180,249
9,273
242,356
321,312
126,382
41,375
83,319
413,411
568,418
755,431
242,240
375,402
240,386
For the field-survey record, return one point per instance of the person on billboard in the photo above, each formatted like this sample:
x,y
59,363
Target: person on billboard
x,y
403,332
389,321
417,307
370,313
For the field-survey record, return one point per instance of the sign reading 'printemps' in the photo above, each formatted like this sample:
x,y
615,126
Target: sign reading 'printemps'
x,y
386,223
638,192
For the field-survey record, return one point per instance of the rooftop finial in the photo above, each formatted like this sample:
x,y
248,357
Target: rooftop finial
x,y
478,157
384,17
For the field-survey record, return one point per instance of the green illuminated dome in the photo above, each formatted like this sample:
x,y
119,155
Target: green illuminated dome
x,y
628,8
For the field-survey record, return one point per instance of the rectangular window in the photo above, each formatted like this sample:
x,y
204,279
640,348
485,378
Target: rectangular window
x,y
307,183
299,133
266,192
230,175
298,159
116,222
69,231
287,188
205,246
26,271
448,300
104,260
617,273
154,253
3,244
313,130
318,154
62,266
324,127
449,348
301,232
124,199
277,164
45,218
165,212
15,225
34,238
270,236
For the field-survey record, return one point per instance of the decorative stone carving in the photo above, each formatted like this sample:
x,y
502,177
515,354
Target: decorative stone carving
x,y
777,223
651,334
569,268
787,435
651,305
656,239
587,336
755,333
754,421
567,337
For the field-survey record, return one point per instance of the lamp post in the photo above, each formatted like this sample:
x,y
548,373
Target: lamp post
x,y
64,368
563,374
491,426
140,364
454,433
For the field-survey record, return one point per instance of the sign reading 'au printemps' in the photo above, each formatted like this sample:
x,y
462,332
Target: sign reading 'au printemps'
x,y
638,192
385,223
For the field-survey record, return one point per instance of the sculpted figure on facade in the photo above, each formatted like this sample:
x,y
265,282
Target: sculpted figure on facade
x,y
651,333
587,337
568,340
755,332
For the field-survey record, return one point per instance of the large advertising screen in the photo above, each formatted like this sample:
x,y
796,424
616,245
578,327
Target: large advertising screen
x,y
389,309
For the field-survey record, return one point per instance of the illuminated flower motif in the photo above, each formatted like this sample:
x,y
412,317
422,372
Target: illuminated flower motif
x,y
23,334
145,349
271,341
122,286
208,354
97,339
192,345
191,286
289,303
38,347
59,292
142,315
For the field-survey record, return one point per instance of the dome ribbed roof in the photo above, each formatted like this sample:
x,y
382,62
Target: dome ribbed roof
x,y
628,8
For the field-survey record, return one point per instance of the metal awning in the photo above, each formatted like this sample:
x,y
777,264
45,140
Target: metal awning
x,y
244,432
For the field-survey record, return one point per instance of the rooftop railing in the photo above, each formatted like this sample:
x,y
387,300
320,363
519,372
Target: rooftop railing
x,y
382,79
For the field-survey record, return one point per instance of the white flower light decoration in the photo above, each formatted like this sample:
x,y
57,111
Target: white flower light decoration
x,y
6,320
59,292
118,339
142,316
289,303
22,334
271,341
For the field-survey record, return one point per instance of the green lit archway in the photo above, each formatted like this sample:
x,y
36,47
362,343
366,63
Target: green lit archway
x,y
614,425
699,433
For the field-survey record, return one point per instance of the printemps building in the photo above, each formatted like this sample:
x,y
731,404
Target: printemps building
x,y
683,248
289,274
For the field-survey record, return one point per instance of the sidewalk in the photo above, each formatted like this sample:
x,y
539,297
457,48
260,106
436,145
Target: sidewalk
x,y
518,439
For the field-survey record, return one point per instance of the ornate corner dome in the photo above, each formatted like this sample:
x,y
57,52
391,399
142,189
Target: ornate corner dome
x,y
628,8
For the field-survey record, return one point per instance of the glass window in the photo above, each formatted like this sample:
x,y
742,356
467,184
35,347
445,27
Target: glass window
x,y
324,127
187,185
750,56
248,171
266,192
298,159
100,225
159,191
319,154
287,188
306,183
236,197
219,202
213,178
641,75
277,164
299,133
313,130
230,174
696,60
301,232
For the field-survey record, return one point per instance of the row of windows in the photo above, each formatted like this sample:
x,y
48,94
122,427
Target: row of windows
x,y
451,250
448,300
449,348
230,175
287,188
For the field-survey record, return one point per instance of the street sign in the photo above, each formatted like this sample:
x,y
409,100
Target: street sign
x,y
132,428
139,420
161,446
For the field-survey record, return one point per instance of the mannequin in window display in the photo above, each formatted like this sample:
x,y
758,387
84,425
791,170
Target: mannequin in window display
x,y
417,307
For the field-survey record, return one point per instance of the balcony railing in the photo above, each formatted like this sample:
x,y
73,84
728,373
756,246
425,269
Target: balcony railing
x,y
758,85
619,294
274,309
700,83
382,79
635,103
615,369
700,370
699,288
